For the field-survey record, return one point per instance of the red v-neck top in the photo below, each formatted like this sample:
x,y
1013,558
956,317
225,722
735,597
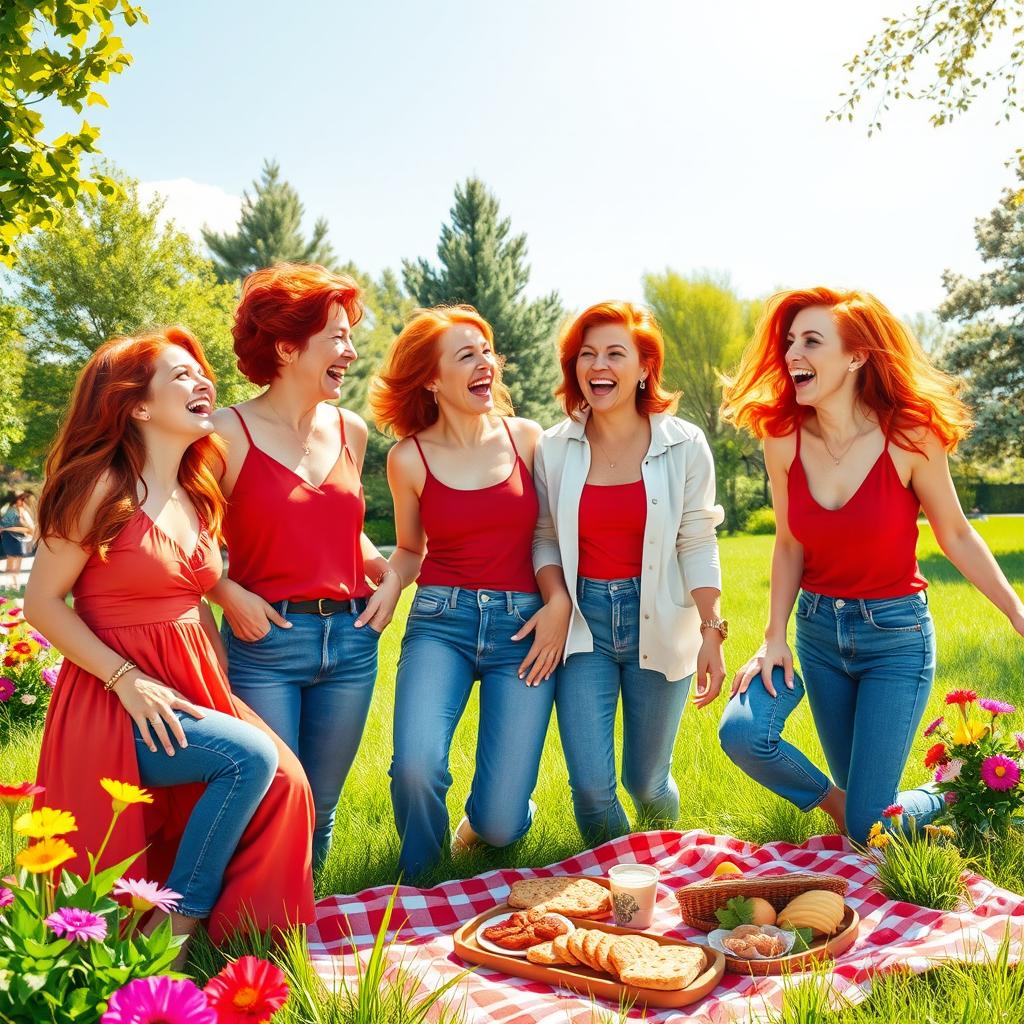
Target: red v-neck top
x,y
868,547
290,541
612,521
480,539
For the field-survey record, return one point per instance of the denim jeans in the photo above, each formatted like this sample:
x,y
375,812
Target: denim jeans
x,y
312,685
868,666
587,697
455,636
237,762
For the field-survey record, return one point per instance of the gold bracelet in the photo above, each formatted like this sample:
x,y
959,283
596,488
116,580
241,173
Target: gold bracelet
x,y
127,666
384,574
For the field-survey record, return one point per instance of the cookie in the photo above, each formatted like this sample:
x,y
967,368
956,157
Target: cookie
x,y
628,948
668,969
574,897
543,954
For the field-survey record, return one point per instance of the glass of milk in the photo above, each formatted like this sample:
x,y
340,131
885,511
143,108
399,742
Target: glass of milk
x,y
634,891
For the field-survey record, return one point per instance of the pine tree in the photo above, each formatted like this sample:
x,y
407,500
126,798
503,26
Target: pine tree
x,y
482,265
269,231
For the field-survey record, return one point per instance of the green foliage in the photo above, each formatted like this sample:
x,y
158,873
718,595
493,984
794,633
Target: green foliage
x,y
24,690
736,911
106,270
55,53
269,231
925,868
12,372
761,520
482,265
988,350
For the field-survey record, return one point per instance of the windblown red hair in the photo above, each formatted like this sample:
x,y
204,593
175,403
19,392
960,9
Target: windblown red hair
x,y
99,438
646,336
288,302
398,396
897,382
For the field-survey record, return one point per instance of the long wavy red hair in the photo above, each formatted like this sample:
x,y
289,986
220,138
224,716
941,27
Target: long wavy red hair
x,y
646,336
399,398
897,382
99,436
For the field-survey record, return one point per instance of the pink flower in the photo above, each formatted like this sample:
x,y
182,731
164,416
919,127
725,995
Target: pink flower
x,y
934,725
159,1000
40,639
6,898
1019,737
249,991
77,925
951,797
996,707
1000,772
147,895
28,698
50,677
950,771
961,697
6,689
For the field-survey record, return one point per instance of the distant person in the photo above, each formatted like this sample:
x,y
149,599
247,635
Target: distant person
x,y
857,425
17,532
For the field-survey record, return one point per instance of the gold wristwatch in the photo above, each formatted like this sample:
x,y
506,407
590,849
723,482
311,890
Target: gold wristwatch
x,y
720,624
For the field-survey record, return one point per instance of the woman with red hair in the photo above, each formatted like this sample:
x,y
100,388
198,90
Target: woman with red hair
x,y
628,515
130,517
465,510
301,616
856,425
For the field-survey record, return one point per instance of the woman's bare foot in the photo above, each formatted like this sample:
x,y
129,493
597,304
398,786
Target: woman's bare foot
x,y
464,838
834,805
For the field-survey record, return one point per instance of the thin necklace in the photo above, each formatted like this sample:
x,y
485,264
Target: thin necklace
x,y
312,428
835,458
604,454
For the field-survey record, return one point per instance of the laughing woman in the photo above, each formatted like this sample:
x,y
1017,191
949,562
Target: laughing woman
x,y
856,425
628,514
301,615
129,518
465,511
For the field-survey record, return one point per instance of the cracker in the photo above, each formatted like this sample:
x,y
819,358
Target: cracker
x,y
560,944
669,968
628,948
544,953
590,942
574,897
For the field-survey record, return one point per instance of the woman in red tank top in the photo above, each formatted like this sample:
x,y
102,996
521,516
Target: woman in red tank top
x,y
857,425
465,513
301,615
130,518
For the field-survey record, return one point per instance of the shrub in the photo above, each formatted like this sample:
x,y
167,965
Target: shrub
x,y
28,671
761,520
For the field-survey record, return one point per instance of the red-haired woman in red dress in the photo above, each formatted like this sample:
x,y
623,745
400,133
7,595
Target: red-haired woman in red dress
x,y
302,616
129,519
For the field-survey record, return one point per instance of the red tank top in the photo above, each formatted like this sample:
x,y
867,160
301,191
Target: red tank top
x,y
290,541
480,539
611,530
868,547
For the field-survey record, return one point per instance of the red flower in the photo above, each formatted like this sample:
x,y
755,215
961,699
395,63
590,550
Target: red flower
x,y
893,811
249,991
12,795
961,697
936,755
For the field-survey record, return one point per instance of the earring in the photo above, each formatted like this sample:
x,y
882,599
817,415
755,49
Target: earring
x,y
851,369
434,393
643,385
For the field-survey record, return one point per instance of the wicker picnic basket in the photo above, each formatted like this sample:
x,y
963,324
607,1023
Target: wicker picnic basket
x,y
699,901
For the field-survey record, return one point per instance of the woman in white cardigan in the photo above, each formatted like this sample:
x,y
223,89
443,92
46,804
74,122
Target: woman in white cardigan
x,y
627,509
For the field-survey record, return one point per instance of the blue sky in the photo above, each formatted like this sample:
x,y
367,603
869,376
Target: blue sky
x,y
621,138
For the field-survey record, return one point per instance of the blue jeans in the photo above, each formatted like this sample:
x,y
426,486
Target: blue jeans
x,y
312,685
237,762
455,636
587,697
868,666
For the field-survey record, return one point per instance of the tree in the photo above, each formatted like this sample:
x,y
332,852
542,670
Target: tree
x,y
12,370
988,350
55,53
482,265
107,269
269,231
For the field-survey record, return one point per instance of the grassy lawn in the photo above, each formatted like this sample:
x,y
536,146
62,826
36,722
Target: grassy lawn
x,y
976,649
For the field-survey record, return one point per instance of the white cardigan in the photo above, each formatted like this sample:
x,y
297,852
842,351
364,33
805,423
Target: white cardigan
x,y
680,549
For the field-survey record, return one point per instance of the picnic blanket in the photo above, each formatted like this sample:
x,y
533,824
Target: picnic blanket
x,y
892,936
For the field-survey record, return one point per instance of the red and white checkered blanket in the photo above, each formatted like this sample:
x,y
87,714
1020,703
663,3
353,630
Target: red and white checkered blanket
x,y
892,935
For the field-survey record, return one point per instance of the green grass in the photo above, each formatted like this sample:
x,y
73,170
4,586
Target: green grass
x,y
976,649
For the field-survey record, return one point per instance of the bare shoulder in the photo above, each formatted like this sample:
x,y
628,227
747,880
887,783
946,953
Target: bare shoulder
x,y
779,452
354,424
228,425
404,459
524,431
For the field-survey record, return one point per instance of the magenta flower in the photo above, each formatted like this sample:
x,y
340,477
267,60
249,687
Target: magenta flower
x,y
6,898
950,771
934,725
1000,772
996,707
147,895
159,1000
1019,737
50,677
40,639
6,689
77,925
951,797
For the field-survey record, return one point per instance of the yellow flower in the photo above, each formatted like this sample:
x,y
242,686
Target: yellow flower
x,y
948,831
45,855
968,733
124,794
45,823
881,841
876,830
932,830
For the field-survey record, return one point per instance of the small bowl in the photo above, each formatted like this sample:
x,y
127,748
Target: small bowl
x,y
715,942
497,919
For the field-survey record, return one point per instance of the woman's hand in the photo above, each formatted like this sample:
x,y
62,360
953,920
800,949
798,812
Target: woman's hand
x,y
772,653
380,606
550,628
710,669
152,706
248,615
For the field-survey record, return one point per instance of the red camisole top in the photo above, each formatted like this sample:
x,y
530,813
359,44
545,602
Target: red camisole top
x,y
868,547
290,541
611,530
480,539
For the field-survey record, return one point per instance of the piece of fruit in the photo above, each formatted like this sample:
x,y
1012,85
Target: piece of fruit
x,y
818,909
726,868
763,912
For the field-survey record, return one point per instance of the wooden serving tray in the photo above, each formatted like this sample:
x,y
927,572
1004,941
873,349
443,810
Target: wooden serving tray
x,y
824,948
582,979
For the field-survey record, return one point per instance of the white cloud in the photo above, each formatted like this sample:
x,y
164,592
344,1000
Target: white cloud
x,y
193,205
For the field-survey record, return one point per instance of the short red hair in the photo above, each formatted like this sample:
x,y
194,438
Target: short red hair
x,y
399,398
288,302
898,382
646,335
